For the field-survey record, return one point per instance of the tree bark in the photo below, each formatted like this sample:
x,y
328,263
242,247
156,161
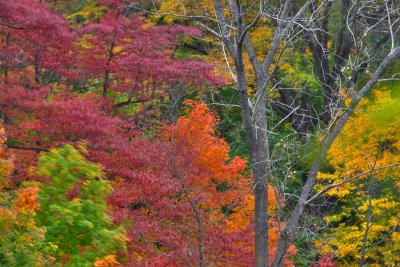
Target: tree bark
x,y
255,125
37,68
110,56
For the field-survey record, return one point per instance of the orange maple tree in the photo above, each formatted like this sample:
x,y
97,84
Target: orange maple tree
x,y
196,135
194,204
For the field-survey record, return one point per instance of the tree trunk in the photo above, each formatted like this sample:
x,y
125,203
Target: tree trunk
x,y
106,80
37,68
6,66
107,71
259,167
255,126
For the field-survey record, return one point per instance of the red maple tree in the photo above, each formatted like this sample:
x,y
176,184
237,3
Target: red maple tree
x,y
35,39
180,203
126,54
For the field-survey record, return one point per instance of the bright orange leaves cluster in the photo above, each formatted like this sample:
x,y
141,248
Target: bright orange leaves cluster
x,y
27,199
6,162
107,261
203,156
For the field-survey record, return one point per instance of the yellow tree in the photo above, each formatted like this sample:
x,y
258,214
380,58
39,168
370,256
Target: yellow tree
x,y
365,230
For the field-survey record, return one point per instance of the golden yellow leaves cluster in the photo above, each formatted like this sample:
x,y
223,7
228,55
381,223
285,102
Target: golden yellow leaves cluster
x,y
369,141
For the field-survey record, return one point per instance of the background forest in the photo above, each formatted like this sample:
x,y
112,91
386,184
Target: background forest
x,y
199,133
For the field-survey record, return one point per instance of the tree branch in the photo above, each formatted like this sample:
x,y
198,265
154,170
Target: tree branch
x,y
33,148
349,180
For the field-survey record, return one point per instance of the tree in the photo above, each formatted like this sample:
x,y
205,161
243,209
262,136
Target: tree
x,y
73,209
232,22
177,201
127,54
364,225
192,204
197,159
31,35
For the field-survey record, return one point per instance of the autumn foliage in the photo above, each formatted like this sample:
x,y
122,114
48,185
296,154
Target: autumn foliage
x,y
84,181
179,195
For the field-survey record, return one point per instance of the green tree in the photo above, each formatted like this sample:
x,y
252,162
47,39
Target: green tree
x,y
73,208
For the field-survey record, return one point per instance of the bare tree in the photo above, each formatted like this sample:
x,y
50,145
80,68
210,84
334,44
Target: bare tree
x,y
357,53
